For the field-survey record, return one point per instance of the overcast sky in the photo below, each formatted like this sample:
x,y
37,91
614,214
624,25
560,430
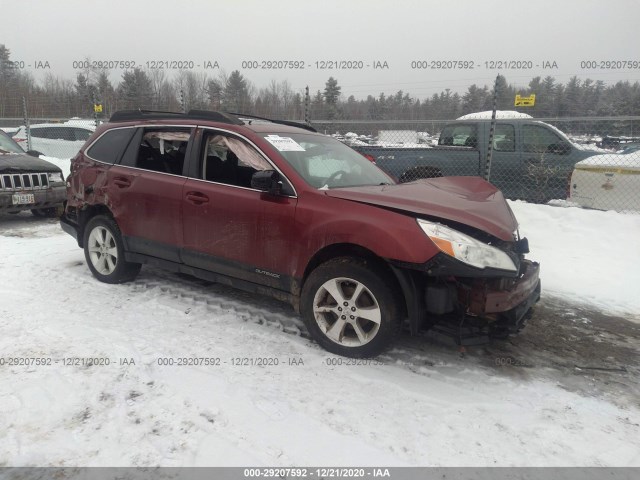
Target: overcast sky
x,y
393,31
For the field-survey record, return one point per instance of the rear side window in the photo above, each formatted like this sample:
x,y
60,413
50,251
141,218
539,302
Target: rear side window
x,y
460,135
39,133
504,138
158,150
81,134
110,146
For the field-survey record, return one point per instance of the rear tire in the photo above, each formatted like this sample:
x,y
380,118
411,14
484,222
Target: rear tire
x,y
349,309
104,251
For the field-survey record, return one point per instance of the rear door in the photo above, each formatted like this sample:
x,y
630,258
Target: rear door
x,y
505,160
458,150
145,191
229,227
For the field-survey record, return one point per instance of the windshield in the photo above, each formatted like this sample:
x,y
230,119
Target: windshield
x,y
324,162
7,145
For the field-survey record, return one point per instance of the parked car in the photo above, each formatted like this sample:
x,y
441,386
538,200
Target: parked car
x,y
60,140
28,182
11,131
275,208
608,182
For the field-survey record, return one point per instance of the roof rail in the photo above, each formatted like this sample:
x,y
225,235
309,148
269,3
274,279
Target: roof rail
x,y
223,117
131,115
281,122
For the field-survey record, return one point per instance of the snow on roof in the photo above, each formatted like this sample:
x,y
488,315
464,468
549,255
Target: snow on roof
x,y
85,125
499,114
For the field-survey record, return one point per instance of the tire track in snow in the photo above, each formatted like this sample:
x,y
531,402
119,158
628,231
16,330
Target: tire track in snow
x,y
420,355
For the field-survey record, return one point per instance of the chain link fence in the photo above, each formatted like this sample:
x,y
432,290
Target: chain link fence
x,y
590,162
593,162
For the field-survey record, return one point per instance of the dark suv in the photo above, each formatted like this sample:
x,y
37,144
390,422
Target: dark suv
x,y
28,182
275,208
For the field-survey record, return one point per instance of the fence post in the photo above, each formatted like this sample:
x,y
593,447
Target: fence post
x,y
26,122
307,116
182,105
487,170
93,107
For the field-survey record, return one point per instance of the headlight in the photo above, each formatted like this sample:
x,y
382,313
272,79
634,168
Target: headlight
x,y
465,248
55,177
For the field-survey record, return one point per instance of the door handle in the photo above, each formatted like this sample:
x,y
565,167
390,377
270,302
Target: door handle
x,y
122,182
197,198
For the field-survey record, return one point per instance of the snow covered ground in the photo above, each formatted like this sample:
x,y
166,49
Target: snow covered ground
x,y
587,256
562,393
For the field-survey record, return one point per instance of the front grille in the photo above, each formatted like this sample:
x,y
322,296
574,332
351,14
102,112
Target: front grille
x,y
24,181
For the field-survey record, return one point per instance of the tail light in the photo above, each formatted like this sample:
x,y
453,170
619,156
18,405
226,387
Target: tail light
x,y
569,185
371,158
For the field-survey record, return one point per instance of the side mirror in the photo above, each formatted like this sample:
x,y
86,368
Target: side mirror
x,y
267,181
34,153
559,148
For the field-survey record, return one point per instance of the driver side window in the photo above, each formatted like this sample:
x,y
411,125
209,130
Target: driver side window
x,y
537,139
229,160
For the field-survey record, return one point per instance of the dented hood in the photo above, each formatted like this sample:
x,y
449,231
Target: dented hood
x,y
18,163
468,200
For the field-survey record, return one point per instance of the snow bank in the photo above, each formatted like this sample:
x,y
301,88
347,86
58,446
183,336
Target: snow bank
x,y
587,256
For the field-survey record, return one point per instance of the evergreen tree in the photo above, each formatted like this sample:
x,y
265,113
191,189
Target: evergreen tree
x,y
317,106
236,93
135,90
475,99
331,91
215,92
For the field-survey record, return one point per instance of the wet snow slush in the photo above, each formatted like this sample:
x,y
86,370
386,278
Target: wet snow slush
x,y
94,375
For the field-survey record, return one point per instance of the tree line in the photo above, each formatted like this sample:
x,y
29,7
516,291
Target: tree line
x,y
55,96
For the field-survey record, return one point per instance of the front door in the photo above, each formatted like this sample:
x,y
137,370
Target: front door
x,y
229,227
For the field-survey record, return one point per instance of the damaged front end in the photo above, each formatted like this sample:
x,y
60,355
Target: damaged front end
x,y
476,287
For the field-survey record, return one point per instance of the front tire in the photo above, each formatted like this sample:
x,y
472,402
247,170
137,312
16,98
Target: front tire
x,y
349,309
104,251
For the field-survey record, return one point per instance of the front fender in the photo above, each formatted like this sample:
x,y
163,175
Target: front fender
x,y
388,234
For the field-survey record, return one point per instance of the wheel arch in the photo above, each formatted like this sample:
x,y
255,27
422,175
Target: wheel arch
x,y
337,250
87,214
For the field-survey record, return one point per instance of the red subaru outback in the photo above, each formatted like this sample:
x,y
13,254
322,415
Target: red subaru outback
x,y
275,208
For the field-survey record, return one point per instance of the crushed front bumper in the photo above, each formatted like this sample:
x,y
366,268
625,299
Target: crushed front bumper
x,y
493,309
467,304
521,294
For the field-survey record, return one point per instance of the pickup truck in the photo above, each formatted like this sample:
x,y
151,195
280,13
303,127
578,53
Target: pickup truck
x,y
531,161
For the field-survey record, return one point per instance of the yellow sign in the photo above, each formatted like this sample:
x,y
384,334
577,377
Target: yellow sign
x,y
97,108
529,101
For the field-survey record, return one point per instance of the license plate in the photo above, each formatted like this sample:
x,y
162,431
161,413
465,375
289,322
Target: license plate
x,y
23,198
